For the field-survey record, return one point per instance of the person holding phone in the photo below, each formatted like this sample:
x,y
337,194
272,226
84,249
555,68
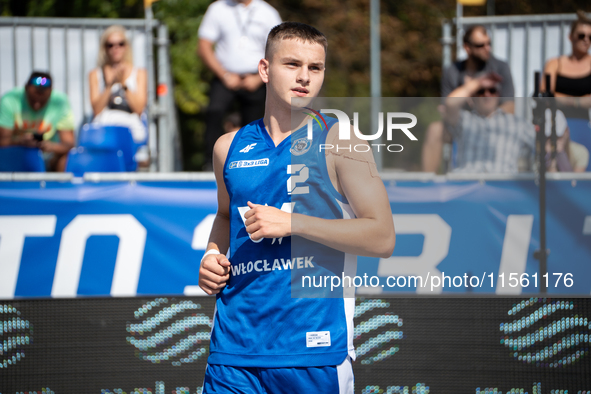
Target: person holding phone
x,y
37,116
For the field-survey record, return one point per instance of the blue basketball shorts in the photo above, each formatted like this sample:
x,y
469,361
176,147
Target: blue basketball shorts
x,y
221,379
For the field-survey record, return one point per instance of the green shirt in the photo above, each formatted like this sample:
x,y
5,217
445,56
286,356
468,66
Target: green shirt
x,y
16,114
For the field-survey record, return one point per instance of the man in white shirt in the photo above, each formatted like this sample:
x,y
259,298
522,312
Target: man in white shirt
x,y
238,29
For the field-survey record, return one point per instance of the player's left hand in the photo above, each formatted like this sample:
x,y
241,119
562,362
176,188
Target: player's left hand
x,y
267,222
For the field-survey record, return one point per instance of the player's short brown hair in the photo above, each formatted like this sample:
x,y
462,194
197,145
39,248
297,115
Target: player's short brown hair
x,y
294,31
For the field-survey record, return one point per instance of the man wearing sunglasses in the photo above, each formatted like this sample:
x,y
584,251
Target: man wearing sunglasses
x,y
488,139
36,116
479,62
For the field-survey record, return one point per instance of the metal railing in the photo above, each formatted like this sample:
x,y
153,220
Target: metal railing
x,y
68,49
209,177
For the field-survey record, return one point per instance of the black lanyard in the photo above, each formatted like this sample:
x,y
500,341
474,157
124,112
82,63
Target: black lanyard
x,y
244,28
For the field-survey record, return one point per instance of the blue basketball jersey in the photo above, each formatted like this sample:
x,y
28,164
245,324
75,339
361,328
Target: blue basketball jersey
x,y
257,321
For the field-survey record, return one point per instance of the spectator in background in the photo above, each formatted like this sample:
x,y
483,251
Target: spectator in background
x,y
232,122
489,139
238,29
570,80
570,76
570,156
479,62
37,116
118,90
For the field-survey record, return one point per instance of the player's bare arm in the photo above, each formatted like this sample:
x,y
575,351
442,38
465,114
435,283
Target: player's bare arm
x,y
354,175
215,266
371,233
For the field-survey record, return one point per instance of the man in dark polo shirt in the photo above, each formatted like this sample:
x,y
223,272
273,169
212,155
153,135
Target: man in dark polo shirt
x,y
479,63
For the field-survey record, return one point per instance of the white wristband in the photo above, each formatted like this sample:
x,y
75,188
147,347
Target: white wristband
x,y
210,251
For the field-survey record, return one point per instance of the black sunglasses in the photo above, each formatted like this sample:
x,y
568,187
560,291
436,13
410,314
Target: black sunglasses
x,y
480,45
481,92
118,44
581,36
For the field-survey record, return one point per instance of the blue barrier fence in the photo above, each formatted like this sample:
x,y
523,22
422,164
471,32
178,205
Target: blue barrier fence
x,y
127,236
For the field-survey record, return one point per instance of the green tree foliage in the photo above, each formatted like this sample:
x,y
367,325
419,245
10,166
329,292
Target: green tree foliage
x,y
73,8
410,48
191,77
183,19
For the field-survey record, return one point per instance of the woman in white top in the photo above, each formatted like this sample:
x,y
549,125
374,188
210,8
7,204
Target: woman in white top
x,y
118,90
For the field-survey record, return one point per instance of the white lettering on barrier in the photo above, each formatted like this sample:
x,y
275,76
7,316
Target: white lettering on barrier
x,y
201,233
132,240
515,247
437,235
587,226
13,230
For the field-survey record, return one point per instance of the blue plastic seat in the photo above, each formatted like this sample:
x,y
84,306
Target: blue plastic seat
x,y
114,138
21,159
81,160
96,137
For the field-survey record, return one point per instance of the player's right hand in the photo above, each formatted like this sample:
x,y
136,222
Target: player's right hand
x,y
214,272
232,81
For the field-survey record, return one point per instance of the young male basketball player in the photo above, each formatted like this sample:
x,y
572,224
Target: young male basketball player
x,y
263,340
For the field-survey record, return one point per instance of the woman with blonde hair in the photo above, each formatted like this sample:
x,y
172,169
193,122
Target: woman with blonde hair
x,y
570,81
118,90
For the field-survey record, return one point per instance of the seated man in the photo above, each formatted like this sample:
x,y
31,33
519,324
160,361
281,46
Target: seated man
x,y
38,117
480,61
489,139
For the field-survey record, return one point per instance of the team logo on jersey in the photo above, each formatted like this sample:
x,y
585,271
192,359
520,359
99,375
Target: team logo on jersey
x,y
249,163
300,146
247,148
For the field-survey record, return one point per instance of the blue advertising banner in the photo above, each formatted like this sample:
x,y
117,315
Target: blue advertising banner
x,y
480,237
64,239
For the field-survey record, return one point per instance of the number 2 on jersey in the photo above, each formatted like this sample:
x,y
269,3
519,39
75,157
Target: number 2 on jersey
x,y
299,174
